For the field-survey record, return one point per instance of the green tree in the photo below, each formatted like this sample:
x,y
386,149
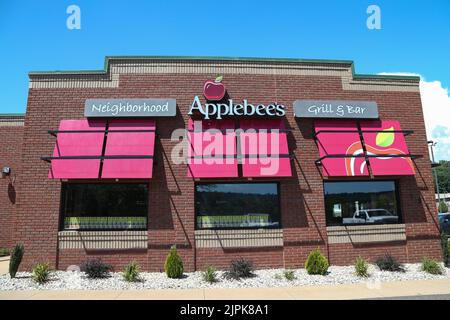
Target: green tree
x,y
443,174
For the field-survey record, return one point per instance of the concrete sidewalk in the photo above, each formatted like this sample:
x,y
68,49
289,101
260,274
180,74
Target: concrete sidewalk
x,y
327,292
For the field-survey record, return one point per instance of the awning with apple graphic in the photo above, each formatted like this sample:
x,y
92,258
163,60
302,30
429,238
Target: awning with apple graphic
x,y
93,149
364,148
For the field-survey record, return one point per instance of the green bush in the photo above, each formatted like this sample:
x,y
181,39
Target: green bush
x,y
443,207
316,263
41,273
174,264
289,275
431,266
4,252
210,274
96,268
15,259
389,263
445,248
361,267
240,268
131,272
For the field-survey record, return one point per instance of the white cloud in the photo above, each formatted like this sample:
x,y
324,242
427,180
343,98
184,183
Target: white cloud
x,y
436,110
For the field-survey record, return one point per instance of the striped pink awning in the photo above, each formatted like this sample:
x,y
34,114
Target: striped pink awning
x,y
119,148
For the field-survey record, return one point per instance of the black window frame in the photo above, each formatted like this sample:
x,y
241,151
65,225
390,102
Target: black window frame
x,y
62,204
397,199
277,183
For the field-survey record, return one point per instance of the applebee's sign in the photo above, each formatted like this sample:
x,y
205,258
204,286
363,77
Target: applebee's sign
x,y
214,92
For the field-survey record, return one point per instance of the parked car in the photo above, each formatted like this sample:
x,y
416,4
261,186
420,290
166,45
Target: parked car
x,y
371,216
444,221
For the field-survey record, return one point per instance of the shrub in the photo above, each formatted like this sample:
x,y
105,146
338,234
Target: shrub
x,y
443,207
15,259
431,266
361,267
389,263
445,247
41,272
316,263
174,264
210,274
96,268
4,252
289,275
131,272
240,268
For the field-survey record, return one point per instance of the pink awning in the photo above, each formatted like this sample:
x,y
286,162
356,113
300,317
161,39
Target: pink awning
x,y
343,152
340,137
129,144
125,152
264,148
212,150
389,143
75,144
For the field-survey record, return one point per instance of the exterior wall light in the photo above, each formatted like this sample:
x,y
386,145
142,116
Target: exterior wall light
x,y
6,171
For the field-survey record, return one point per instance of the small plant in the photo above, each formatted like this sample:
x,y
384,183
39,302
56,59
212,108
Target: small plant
x,y
361,267
289,275
389,263
240,268
445,244
4,252
96,268
278,276
15,259
443,207
210,274
431,266
316,263
41,273
174,264
131,272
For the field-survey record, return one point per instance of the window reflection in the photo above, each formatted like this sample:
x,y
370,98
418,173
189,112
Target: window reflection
x,y
237,205
361,202
104,206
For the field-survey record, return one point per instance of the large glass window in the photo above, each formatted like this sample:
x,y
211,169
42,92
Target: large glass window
x,y
237,205
361,202
104,206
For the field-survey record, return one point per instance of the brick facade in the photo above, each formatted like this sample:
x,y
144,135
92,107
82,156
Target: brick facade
x,y
55,97
11,132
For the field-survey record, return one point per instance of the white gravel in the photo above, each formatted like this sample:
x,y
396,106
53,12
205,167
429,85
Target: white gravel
x,y
63,280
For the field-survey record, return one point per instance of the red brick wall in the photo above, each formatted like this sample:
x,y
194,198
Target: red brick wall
x,y
171,213
10,153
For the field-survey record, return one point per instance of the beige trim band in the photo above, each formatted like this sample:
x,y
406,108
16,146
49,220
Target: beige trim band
x,y
238,238
364,234
103,240
118,67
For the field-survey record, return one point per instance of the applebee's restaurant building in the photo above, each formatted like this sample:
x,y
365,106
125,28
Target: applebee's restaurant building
x,y
267,161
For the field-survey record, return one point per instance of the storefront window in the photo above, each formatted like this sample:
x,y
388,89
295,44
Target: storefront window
x,y
237,205
361,202
104,206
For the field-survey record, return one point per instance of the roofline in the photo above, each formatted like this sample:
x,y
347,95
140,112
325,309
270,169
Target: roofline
x,y
12,114
108,60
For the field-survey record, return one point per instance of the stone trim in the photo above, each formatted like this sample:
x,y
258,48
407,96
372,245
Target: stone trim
x,y
11,120
239,238
103,240
364,234
116,67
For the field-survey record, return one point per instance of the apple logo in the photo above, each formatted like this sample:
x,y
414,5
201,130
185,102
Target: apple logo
x,y
214,90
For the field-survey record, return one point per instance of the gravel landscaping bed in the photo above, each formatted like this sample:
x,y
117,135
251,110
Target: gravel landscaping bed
x,y
64,280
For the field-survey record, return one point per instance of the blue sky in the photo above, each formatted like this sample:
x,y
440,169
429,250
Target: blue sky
x,y
414,35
